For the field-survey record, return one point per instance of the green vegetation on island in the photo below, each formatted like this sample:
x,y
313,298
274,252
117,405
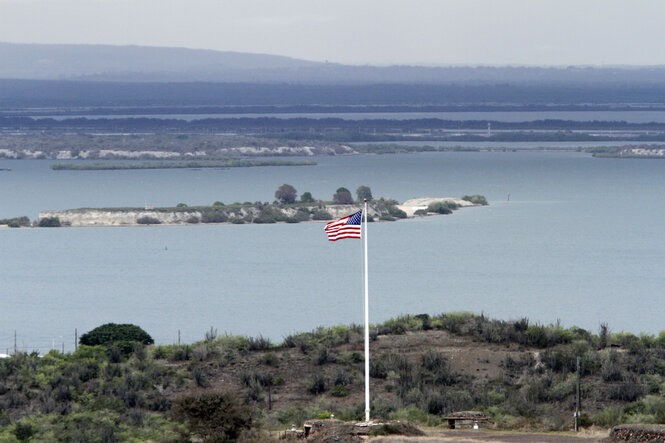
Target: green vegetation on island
x,y
232,163
15,222
521,375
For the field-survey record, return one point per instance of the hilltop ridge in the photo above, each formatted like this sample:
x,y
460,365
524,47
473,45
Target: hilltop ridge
x,y
107,63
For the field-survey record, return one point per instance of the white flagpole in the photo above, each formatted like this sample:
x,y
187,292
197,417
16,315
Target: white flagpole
x,y
366,321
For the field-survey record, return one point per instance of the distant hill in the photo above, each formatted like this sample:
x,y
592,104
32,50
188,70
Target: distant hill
x,y
156,64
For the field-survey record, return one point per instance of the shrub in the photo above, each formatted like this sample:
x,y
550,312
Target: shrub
x,y
322,357
269,214
321,215
49,222
628,390
259,343
537,336
317,385
396,212
214,216
270,359
611,416
444,207
15,222
476,199
214,416
147,220
111,332
193,220
301,214
342,378
339,391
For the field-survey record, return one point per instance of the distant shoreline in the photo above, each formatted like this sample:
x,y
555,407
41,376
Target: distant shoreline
x,y
177,165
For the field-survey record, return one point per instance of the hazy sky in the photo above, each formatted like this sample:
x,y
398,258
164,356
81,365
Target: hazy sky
x,y
434,32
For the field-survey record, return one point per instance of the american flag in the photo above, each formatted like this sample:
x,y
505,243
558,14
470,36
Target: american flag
x,y
345,227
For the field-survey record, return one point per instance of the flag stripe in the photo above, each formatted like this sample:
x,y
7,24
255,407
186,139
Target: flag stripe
x,y
345,227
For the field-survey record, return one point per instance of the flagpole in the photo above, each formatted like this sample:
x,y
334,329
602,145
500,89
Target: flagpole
x,y
366,321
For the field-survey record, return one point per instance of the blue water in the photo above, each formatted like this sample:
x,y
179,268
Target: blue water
x,y
580,240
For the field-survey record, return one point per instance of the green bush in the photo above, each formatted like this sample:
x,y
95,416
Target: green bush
x,y
476,199
396,212
147,220
537,336
301,214
16,222
111,332
259,343
213,215
321,215
444,207
214,416
611,416
317,385
339,391
269,214
49,222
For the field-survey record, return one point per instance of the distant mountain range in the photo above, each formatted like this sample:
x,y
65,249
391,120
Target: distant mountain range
x,y
103,63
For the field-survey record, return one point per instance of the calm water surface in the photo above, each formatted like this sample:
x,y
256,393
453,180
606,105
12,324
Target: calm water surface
x,y
580,240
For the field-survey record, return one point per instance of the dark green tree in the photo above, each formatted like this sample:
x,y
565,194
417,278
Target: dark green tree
x,y
49,222
286,194
364,192
111,332
343,197
306,197
214,416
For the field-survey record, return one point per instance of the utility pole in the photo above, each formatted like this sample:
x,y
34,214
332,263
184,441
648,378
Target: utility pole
x,y
178,337
14,341
577,402
76,339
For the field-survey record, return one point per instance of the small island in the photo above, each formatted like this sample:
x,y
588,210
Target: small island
x,y
231,163
286,208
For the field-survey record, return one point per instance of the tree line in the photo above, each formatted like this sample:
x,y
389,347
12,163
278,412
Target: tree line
x,y
287,194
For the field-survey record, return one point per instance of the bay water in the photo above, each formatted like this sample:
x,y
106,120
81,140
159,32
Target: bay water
x,y
566,236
